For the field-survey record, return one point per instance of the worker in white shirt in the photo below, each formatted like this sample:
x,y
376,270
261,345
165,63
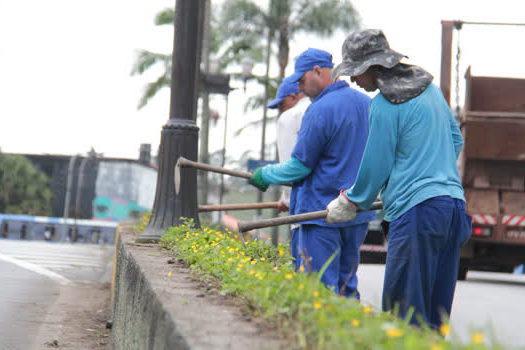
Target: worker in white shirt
x,y
291,104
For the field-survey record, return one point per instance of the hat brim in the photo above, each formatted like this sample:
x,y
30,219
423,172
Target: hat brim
x,y
387,59
274,103
295,77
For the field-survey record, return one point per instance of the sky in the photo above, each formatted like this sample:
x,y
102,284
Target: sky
x,y
65,83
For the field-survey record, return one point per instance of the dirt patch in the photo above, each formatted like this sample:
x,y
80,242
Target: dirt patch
x,y
78,318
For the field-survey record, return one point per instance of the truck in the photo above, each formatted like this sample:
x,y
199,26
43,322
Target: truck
x,y
491,164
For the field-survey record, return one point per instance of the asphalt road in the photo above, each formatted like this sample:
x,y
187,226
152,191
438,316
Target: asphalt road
x,y
31,276
492,303
26,297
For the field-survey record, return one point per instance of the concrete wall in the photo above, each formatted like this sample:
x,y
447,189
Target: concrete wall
x,y
159,305
139,319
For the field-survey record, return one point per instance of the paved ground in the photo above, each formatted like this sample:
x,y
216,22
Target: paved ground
x,y
26,297
77,320
490,302
54,295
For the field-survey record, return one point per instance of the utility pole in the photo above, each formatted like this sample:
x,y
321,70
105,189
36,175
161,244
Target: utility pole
x,y
179,136
265,109
205,115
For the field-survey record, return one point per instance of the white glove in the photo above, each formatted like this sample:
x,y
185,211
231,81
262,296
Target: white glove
x,y
340,210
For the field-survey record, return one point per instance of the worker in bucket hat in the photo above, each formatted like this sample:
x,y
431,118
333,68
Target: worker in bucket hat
x,y
412,128
324,160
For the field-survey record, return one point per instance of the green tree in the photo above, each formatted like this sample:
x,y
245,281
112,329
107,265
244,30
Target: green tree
x,y
282,20
23,188
147,59
243,28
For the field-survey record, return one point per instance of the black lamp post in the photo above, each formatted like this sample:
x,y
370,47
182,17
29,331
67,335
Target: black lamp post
x,y
179,136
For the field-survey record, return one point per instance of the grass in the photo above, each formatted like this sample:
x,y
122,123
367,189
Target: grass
x,y
306,313
249,195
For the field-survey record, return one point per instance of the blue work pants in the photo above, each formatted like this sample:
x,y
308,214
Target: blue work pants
x,y
294,247
423,259
318,243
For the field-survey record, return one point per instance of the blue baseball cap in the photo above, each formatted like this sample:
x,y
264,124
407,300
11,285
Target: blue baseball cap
x,y
285,89
308,59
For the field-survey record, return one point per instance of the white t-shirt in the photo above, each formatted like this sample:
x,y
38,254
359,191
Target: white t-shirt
x,y
288,125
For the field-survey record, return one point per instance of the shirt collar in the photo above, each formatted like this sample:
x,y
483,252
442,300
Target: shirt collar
x,y
334,86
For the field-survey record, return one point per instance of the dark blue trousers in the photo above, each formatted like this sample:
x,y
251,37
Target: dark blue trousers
x,y
422,260
318,243
294,247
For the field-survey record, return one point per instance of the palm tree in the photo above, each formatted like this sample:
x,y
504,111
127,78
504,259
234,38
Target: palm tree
x,y
242,28
147,59
244,20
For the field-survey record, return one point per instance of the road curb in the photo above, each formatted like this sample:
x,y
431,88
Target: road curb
x,y
158,305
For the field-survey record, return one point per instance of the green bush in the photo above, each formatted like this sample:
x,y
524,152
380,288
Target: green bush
x,y
308,314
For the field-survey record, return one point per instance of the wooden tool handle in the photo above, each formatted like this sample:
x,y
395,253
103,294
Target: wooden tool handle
x,y
292,219
244,206
183,162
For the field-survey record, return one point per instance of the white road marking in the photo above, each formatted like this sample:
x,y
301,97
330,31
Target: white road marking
x,y
35,268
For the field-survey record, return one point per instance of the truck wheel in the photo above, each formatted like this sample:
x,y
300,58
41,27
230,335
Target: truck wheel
x,y
463,269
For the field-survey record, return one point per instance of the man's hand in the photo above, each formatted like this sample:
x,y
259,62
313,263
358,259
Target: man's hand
x,y
282,206
258,181
340,210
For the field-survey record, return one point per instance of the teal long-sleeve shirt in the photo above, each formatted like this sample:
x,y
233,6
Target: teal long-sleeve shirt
x,y
410,155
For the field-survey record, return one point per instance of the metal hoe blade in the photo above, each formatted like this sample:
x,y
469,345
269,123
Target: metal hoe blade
x,y
176,177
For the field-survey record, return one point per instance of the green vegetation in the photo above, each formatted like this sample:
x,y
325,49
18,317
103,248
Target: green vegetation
x,y
23,188
307,314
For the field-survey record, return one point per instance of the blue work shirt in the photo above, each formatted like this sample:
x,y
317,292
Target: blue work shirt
x,y
410,155
330,142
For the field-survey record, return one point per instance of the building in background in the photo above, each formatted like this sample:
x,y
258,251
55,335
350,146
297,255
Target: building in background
x,y
94,187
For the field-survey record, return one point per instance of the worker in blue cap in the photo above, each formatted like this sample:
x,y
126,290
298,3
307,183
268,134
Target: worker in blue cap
x,y
418,140
292,105
324,160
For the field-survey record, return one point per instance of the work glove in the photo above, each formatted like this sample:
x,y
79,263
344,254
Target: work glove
x,y
258,181
340,210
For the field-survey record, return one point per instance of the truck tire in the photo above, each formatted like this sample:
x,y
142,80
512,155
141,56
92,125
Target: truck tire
x,y
463,269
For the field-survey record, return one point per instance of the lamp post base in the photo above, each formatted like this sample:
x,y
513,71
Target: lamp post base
x,y
179,138
149,236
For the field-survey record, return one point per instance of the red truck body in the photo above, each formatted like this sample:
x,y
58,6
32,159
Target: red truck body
x,y
491,165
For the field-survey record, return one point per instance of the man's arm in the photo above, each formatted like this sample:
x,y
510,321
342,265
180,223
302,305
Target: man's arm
x,y
374,170
456,135
283,173
378,157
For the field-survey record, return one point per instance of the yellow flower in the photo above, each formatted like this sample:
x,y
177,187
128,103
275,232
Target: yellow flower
x,y
317,305
355,323
280,252
315,293
169,274
367,309
230,259
288,276
444,329
262,258
301,268
300,287
251,272
254,262
436,347
394,332
476,338
238,269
